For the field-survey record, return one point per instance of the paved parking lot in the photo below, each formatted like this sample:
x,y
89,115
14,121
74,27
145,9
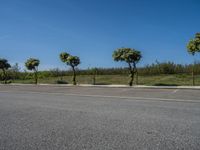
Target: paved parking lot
x,y
90,118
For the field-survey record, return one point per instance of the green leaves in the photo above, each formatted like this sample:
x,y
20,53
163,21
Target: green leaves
x,y
127,54
72,61
32,64
4,64
194,44
131,56
64,56
69,59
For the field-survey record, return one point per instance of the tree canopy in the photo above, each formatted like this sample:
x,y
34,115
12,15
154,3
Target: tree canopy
x,y
64,56
72,61
130,56
4,64
69,59
32,64
194,44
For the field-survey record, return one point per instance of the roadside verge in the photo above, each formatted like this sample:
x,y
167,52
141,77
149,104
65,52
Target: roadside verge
x,y
108,86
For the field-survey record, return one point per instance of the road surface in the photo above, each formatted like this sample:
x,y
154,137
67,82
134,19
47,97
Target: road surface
x,y
93,118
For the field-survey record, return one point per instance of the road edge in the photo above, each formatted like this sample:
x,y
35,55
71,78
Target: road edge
x,y
108,86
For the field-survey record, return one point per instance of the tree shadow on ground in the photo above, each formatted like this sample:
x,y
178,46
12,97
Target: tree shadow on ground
x,y
165,84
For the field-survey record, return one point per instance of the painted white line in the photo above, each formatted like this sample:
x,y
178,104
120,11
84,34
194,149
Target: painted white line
x,y
104,96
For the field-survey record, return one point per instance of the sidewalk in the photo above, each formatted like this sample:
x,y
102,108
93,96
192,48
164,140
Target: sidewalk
x,y
107,86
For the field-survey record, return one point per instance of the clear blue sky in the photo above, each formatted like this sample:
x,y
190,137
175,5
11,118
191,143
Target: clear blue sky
x,y
93,29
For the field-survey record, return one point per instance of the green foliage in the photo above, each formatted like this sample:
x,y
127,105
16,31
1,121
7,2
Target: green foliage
x,y
127,54
69,59
72,61
194,47
4,65
94,73
130,56
194,44
64,56
32,64
14,72
157,68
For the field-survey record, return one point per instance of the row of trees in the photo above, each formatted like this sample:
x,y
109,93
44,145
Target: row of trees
x,y
128,55
154,69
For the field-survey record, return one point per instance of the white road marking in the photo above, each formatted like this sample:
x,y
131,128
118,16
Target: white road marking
x,y
104,96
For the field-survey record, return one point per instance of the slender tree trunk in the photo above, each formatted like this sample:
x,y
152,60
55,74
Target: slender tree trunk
x,y
5,76
94,79
74,76
136,77
135,71
131,75
193,79
94,76
131,78
36,76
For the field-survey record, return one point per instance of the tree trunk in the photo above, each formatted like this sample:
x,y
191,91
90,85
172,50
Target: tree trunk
x,y
193,80
136,78
131,74
74,76
36,76
131,78
94,76
5,76
94,79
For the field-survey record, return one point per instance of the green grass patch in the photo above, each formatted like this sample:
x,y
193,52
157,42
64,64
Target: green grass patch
x,y
159,80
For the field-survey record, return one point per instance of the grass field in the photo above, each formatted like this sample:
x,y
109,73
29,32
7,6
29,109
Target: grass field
x,y
121,79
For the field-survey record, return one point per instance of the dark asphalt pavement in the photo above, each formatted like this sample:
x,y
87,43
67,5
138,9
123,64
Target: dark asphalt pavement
x,y
91,118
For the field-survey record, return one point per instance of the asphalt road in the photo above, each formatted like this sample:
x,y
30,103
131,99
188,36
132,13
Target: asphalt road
x,y
88,118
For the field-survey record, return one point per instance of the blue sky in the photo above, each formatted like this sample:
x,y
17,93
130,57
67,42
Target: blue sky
x,y
93,29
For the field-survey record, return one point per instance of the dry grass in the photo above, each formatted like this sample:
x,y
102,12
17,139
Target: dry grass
x,y
122,79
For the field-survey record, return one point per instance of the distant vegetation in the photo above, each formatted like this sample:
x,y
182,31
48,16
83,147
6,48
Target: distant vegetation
x,y
4,65
152,72
168,73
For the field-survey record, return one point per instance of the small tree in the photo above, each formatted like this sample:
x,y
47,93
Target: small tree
x,y
32,64
193,47
72,61
4,65
130,56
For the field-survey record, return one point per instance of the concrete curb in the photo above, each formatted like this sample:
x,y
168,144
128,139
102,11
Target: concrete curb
x,y
108,86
